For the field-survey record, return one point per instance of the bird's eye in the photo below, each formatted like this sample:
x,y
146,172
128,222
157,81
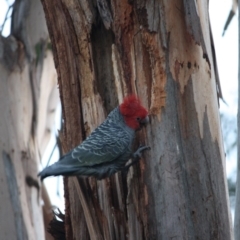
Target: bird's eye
x,y
138,118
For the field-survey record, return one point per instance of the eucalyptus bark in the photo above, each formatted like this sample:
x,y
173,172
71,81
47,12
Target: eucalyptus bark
x,y
28,98
163,52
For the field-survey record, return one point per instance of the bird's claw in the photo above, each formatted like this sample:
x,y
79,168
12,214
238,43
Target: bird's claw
x,y
136,157
138,153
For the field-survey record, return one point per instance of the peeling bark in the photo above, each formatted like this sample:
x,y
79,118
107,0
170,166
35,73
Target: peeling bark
x,y
151,49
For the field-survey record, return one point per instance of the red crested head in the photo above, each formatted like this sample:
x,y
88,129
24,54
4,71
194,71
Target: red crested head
x,y
133,112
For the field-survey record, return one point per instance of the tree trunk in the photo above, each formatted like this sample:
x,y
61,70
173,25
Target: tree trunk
x,y
28,99
163,52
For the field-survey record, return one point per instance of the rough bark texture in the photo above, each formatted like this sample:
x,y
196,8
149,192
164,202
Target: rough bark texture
x,y
104,50
28,98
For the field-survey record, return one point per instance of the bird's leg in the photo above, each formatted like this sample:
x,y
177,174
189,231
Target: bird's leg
x,y
136,156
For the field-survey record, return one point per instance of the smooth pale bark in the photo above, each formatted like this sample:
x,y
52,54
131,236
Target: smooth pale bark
x,y
28,99
163,52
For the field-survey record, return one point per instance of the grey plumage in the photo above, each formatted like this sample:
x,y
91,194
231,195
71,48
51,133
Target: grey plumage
x,y
102,154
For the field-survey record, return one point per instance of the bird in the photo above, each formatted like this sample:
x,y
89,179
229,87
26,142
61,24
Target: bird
x,y
108,148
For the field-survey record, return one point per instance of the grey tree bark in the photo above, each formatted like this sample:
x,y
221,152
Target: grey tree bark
x,y
28,98
163,52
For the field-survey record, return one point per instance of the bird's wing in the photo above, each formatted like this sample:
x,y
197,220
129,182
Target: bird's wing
x,y
103,145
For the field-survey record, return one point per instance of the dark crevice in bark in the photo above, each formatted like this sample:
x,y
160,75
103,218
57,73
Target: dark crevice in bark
x,y
125,189
105,12
102,41
142,16
56,226
67,222
12,53
147,70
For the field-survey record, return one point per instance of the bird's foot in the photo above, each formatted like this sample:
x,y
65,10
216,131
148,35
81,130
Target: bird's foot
x,y
136,157
138,154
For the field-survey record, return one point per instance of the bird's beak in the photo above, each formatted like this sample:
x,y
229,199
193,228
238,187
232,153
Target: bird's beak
x,y
145,121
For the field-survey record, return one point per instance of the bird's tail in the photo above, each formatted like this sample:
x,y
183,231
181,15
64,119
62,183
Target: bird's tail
x,y
56,170
62,167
